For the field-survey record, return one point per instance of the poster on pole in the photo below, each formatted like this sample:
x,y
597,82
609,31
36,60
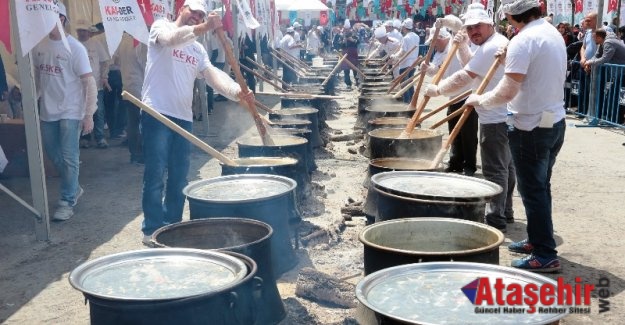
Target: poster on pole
x,y
5,26
35,20
262,15
119,16
245,13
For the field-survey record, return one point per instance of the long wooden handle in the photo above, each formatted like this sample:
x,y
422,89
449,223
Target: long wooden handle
x,y
466,111
289,64
294,60
403,57
176,128
262,68
263,107
447,104
410,83
399,78
261,77
336,67
437,78
234,64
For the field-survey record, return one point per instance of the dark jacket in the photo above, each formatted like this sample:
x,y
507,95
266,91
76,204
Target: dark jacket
x,y
613,52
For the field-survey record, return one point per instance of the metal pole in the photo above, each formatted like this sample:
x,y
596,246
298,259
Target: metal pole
x,y
259,58
594,75
33,135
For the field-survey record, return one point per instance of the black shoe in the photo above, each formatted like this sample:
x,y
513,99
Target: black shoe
x,y
501,228
452,170
510,219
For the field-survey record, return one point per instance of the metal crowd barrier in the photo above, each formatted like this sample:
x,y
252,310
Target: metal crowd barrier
x,y
608,106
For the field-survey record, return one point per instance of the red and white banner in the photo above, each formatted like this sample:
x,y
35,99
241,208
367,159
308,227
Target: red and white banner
x,y
5,26
245,14
35,20
119,16
263,17
161,9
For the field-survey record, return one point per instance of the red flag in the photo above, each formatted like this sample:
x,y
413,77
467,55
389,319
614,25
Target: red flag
x,y
323,18
5,26
612,6
146,10
227,19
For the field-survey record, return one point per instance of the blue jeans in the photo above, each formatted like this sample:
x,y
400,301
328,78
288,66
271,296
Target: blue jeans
x,y
408,94
534,154
60,140
165,152
498,168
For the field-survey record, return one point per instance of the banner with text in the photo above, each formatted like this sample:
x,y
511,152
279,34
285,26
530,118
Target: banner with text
x,y
119,16
35,20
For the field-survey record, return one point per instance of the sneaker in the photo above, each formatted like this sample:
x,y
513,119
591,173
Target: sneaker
x,y
63,212
537,264
147,241
84,143
523,247
102,144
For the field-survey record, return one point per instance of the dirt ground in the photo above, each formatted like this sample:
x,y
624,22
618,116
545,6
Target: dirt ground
x,y
587,186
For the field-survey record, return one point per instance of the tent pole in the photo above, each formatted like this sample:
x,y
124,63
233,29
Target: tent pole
x,y
33,135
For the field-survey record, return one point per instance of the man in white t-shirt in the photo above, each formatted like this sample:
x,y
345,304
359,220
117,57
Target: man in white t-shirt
x,y
410,40
291,46
535,70
385,43
174,60
132,60
99,59
463,152
497,165
67,104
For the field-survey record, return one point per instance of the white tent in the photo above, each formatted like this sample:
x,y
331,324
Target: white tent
x,y
307,5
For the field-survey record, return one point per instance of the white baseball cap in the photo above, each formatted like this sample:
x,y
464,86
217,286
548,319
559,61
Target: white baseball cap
x,y
388,23
476,14
407,23
290,30
196,5
296,25
379,32
397,23
320,28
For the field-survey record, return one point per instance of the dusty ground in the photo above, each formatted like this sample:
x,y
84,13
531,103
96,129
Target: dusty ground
x,y
588,215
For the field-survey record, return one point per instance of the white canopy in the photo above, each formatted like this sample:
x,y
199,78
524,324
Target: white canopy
x,y
301,5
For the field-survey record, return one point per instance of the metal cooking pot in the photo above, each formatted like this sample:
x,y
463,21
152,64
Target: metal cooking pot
x,y
169,286
266,198
365,101
430,293
387,122
245,236
390,109
426,194
284,146
306,113
414,240
422,143
391,164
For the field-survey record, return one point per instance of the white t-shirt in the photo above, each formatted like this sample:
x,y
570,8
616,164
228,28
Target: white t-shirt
x,y
395,34
285,44
59,71
454,65
538,52
170,73
313,43
483,58
409,41
132,60
97,54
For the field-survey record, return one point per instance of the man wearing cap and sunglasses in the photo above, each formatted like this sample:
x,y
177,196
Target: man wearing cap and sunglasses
x,y
497,165
174,60
409,40
535,70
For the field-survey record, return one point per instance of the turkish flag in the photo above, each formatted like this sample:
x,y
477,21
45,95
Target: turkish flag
x,y
5,26
323,18
612,6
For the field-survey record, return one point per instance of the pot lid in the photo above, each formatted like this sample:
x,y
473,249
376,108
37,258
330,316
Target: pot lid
x,y
438,293
158,274
240,188
430,185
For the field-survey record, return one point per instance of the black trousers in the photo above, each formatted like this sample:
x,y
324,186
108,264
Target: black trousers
x,y
462,157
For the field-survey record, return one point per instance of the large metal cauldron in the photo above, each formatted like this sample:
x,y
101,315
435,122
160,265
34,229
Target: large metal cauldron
x,y
170,286
282,166
387,122
245,236
381,165
284,146
386,110
414,240
430,293
365,101
302,133
424,144
266,198
306,113
411,194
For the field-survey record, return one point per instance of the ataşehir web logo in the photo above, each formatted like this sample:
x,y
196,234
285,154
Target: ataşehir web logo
x,y
529,298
